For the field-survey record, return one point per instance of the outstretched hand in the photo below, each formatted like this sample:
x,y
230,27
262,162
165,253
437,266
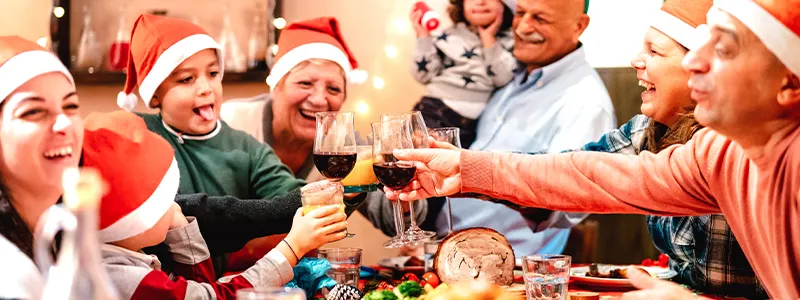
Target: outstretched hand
x,y
438,174
652,288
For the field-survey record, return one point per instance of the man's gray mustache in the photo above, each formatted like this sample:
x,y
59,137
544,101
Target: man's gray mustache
x,y
534,37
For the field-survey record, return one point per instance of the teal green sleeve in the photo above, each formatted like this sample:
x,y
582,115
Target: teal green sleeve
x,y
269,177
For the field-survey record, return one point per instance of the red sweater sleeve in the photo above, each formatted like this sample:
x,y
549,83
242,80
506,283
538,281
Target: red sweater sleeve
x,y
671,182
157,285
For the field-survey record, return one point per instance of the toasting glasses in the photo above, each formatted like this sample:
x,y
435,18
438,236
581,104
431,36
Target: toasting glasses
x,y
419,139
388,136
335,147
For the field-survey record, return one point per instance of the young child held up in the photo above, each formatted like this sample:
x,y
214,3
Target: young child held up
x,y
139,211
463,65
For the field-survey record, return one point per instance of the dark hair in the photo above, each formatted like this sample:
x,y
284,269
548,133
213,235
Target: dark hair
x,y
456,11
658,136
12,226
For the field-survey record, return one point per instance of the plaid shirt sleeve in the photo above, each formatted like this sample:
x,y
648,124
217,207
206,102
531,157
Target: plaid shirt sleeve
x,y
706,255
625,140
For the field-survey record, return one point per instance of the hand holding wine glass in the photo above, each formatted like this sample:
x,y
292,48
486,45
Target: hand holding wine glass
x,y
419,140
388,136
438,174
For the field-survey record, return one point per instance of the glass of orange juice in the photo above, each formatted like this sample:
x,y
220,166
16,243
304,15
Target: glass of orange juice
x,y
362,178
323,193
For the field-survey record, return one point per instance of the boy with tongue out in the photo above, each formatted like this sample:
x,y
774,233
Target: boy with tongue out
x,y
178,69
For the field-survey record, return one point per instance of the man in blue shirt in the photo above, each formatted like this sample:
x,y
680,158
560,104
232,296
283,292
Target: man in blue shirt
x,y
555,102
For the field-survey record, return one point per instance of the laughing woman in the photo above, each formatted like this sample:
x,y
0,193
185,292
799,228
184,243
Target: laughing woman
x,y
40,135
310,75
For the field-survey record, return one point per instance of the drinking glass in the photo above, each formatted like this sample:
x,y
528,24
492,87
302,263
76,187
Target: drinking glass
x,y
314,196
450,135
335,146
270,293
362,179
388,136
345,264
546,276
419,138
430,248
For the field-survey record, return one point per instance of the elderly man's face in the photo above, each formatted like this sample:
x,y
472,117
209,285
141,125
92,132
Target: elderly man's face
x,y
735,78
547,30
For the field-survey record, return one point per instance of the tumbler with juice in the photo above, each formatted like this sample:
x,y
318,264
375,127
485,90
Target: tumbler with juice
x,y
362,178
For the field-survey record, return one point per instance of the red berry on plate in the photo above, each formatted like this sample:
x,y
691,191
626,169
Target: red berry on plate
x,y
647,262
663,259
410,277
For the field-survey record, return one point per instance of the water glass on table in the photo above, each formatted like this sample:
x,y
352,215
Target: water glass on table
x,y
345,264
271,293
546,276
430,248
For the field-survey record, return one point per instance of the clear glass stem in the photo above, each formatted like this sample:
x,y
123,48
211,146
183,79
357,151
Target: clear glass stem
x,y
411,210
398,219
449,217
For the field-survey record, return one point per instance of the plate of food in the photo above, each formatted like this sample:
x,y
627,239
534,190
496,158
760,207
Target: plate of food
x,y
404,263
614,276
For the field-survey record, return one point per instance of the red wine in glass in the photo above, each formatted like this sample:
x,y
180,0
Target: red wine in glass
x,y
334,165
395,175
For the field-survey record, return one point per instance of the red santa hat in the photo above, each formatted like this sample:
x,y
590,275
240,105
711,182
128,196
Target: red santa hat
x,y
775,22
679,19
139,167
316,38
158,45
22,60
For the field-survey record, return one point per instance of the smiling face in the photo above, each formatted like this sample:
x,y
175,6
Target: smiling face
x,y
482,13
190,97
312,86
735,79
658,67
41,133
547,30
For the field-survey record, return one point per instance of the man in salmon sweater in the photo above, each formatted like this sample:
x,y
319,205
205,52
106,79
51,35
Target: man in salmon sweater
x,y
746,165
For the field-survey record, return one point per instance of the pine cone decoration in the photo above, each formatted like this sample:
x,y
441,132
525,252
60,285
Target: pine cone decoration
x,y
344,292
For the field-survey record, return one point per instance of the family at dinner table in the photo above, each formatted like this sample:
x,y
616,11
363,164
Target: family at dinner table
x,y
205,197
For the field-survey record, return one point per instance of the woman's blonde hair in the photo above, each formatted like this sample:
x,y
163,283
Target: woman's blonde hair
x,y
316,62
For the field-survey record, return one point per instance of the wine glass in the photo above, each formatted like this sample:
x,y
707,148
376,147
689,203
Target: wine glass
x,y
388,136
335,146
419,139
450,135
